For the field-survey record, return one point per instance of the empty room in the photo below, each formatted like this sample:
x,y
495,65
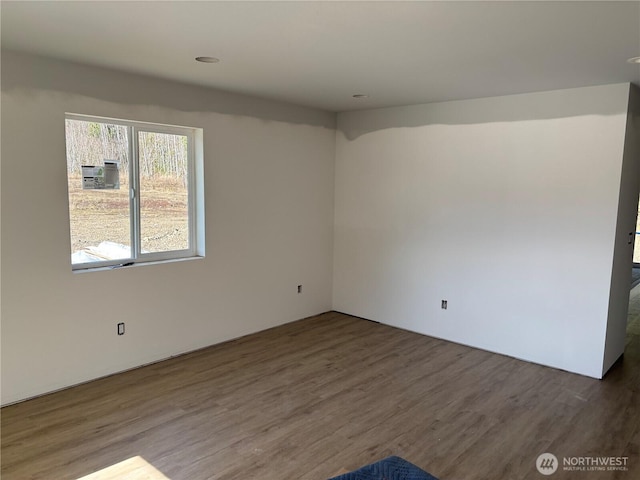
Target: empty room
x,y
320,240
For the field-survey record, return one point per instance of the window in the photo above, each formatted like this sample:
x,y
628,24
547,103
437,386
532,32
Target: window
x,y
132,192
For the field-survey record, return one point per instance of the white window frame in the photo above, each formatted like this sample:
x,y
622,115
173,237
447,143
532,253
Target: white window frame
x,y
194,188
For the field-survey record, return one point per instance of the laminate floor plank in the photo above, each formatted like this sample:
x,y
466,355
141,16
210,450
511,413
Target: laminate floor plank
x,y
309,398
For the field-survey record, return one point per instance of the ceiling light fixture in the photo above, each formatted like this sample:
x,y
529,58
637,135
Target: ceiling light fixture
x,y
207,59
634,60
360,95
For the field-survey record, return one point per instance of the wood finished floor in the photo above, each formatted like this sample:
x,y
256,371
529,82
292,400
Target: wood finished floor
x,y
305,400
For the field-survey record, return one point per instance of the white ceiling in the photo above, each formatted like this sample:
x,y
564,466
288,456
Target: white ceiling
x,y
320,53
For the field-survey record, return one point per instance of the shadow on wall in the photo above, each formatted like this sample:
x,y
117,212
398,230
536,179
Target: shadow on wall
x,y
25,71
511,108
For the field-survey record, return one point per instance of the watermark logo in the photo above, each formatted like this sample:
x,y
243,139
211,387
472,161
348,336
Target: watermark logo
x,y
547,463
594,464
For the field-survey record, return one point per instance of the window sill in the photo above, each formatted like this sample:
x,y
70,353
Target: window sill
x,y
137,264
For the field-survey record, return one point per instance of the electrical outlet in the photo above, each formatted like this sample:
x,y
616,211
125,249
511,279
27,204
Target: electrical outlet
x,y
299,288
444,304
121,328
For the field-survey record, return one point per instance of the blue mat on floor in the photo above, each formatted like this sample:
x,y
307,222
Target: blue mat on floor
x,y
391,468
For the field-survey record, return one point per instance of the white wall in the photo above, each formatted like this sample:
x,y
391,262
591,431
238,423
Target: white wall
x,y
269,172
506,207
623,252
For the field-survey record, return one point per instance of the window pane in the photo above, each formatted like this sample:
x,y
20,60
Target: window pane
x,y
164,208
98,206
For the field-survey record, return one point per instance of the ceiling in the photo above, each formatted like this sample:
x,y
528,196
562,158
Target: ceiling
x,y
319,54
